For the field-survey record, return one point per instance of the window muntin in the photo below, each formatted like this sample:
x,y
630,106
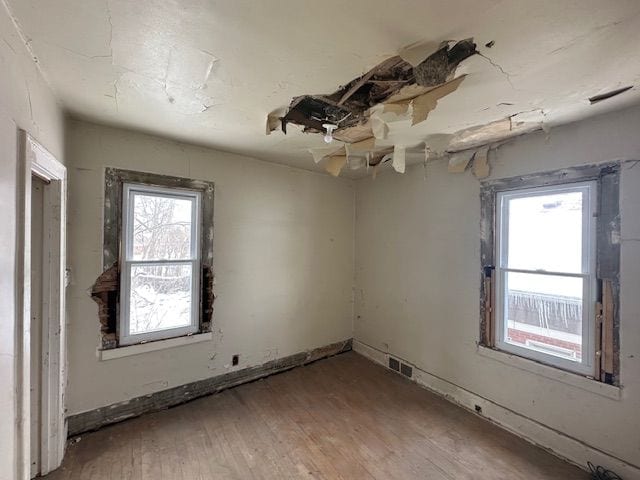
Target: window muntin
x,y
545,274
160,263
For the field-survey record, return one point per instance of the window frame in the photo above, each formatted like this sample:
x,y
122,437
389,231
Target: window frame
x,y
129,190
607,334
588,273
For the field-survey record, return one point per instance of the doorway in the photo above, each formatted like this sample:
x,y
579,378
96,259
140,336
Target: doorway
x,y
41,366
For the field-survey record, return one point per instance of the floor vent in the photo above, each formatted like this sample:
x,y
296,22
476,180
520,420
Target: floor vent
x,y
394,364
406,370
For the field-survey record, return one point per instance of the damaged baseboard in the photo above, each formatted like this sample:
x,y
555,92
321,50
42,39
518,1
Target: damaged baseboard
x,y
559,444
100,417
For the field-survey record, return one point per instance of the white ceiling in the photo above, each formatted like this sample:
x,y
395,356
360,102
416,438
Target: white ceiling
x,y
208,72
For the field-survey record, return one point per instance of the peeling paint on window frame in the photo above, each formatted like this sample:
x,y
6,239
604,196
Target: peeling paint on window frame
x,y
106,289
607,176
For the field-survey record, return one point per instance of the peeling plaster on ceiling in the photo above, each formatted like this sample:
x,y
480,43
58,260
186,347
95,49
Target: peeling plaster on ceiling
x,y
209,72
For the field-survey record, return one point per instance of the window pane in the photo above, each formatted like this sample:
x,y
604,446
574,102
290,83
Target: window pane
x,y
161,227
160,297
545,232
544,313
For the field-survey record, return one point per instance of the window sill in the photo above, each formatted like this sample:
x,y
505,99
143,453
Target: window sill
x,y
139,348
573,379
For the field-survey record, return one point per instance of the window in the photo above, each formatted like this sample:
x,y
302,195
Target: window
x,y
546,274
160,263
157,265
550,252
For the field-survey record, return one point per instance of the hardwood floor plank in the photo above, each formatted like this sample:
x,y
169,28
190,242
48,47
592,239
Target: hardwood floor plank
x,y
340,418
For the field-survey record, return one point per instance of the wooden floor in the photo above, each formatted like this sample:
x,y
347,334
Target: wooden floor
x,y
339,418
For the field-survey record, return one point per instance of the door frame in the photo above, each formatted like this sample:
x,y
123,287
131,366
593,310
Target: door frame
x,y
34,159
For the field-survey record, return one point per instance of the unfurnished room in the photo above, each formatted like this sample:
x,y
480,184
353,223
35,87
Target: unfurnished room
x,y
287,239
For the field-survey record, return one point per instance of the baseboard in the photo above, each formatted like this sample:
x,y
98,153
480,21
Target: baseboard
x,y
95,419
559,444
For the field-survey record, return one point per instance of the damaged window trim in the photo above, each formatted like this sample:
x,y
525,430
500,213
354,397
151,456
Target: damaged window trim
x,y
106,290
607,335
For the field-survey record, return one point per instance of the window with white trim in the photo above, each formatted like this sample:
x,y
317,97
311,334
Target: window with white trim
x,y
160,263
545,274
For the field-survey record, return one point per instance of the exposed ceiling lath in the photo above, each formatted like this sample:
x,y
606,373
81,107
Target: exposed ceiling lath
x,y
410,83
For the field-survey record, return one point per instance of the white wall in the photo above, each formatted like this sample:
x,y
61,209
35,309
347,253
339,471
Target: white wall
x,y
283,259
418,279
25,102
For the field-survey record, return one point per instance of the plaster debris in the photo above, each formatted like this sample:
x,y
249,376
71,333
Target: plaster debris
x,y
373,110
458,162
399,108
379,128
403,88
322,152
358,153
273,120
361,146
427,102
356,162
427,154
335,164
607,95
384,115
496,131
348,106
481,167
374,171
398,160
380,156
355,133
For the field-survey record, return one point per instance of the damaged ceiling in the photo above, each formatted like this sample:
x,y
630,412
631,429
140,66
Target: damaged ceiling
x,y
210,72
358,115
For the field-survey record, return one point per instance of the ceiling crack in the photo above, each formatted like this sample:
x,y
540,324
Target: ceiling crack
x,y
115,92
26,84
206,107
74,52
165,79
506,74
27,44
9,45
110,20
582,36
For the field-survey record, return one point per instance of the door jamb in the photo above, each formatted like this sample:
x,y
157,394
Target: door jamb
x,y
36,160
